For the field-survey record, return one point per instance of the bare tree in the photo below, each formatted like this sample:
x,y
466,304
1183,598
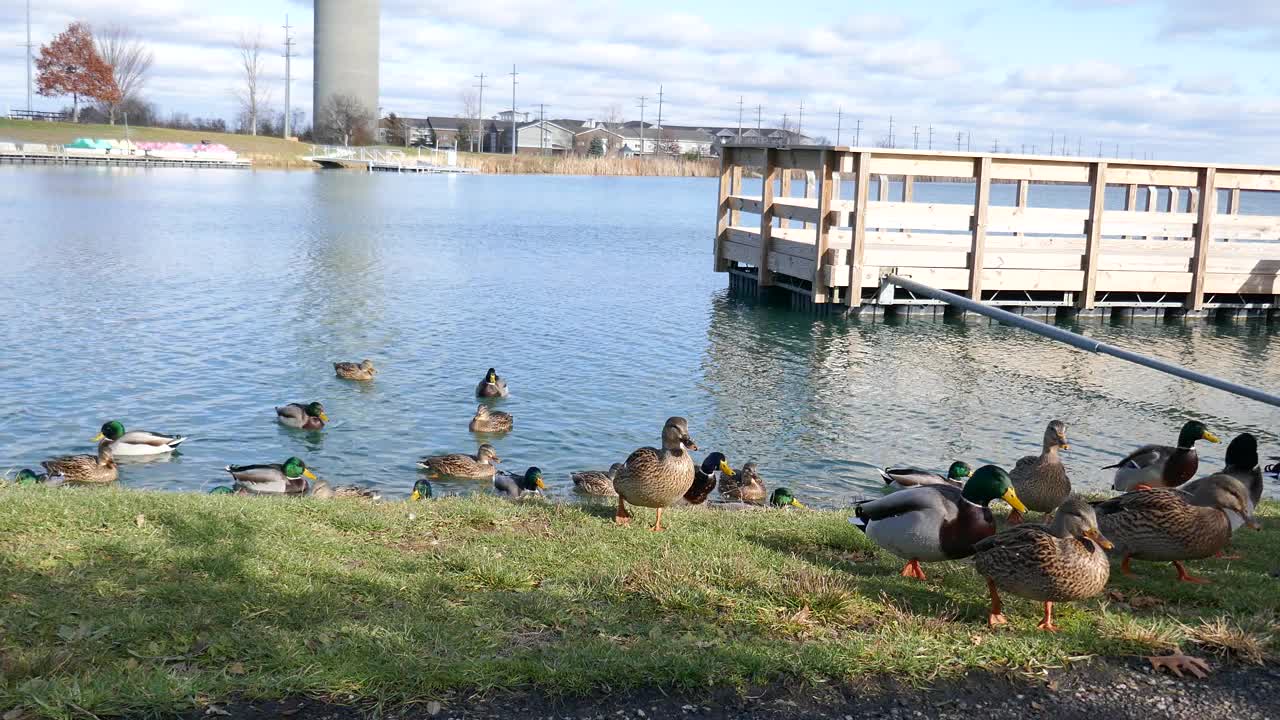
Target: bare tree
x,y
343,119
253,94
470,130
612,115
130,61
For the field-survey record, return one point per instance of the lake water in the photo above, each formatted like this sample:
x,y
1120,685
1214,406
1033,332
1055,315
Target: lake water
x,y
192,302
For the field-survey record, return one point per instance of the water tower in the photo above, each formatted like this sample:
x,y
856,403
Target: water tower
x,y
346,52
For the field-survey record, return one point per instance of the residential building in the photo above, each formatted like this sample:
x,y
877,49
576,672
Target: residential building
x,y
540,137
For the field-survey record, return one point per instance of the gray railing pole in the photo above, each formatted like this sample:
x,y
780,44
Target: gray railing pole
x,y
1080,341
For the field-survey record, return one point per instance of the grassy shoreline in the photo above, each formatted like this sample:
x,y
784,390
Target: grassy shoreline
x,y
128,602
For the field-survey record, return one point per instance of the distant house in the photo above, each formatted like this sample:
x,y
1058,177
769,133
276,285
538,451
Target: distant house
x,y
505,117
612,141
540,137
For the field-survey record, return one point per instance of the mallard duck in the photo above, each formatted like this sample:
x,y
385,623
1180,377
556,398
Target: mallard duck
x,y
310,416
1041,480
86,469
1161,466
322,489
224,490
474,467
422,490
351,371
596,483
743,486
490,421
1169,525
932,523
901,478
1063,562
287,478
136,442
491,386
780,498
656,478
29,477
706,476
513,485
1242,464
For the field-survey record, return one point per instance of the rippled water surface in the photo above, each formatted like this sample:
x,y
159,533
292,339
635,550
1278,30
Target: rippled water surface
x,y
192,302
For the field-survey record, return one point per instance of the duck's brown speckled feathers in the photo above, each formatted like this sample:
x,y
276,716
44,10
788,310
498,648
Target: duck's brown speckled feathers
x,y
87,469
1039,563
1167,524
744,486
596,483
363,370
490,421
657,478
1041,480
478,467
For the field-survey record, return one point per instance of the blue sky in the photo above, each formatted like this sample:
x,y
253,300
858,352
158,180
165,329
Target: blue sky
x,y
1171,78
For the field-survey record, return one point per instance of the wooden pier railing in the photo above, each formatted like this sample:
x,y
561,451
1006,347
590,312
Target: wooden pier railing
x,y
816,228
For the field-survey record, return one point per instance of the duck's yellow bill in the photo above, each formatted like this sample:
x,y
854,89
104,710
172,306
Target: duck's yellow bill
x,y
310,474
1096,536
324,417
416,496
1011,497
98,437
798,504
539,484
1210,437
724,468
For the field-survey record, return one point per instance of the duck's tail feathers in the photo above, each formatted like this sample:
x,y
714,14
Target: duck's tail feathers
x,y
1112,467
177,441
859,523
884,475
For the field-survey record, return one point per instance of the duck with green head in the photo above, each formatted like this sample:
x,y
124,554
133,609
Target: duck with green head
x,y
286,478
1162,466
783,498
512,485
300,416
136,442
224,490
26,477
933,523
422,490
491,386
901,478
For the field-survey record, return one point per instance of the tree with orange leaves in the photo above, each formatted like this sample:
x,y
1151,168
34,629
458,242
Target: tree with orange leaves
x,y
71,65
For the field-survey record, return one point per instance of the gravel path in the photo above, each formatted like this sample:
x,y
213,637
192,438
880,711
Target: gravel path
x,y
1098,690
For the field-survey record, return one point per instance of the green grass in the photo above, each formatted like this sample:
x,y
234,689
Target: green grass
x,y
116,601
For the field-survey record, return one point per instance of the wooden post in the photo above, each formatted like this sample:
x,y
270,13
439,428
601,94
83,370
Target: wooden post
x,y
723,215
811,188
785,191
1093,232
1131,202
1153,193
858,226
908,192
825,188
1233,202
977,249
1171,205
1203,233
1193,200
768,174
735,188
1024,191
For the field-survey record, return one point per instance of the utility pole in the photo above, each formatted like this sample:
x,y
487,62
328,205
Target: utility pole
x,y
288,77
786,124
1117,151
915,137
515,139
930,136
959,135
659,113
1052,140
800,123
968,141
542,127
739,118
857,134
1099,148
642,101
995,145
890,132
759,110
1079,146
28,47
480,113
839,122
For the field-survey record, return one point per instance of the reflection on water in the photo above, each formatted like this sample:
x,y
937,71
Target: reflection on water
x,y
194,302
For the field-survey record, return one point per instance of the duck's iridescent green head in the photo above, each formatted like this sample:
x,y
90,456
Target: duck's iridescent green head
x,y
782,497
533,480
1195,430
315,409
422,490
959,471
222,490
491,376
717,461
111,430
295,468
1242,453
991,483
26,477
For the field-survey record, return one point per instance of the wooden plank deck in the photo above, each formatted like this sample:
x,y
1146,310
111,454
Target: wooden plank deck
x,y
832,239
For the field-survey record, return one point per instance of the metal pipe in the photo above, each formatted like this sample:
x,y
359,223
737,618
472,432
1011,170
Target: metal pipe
x,y
1080,341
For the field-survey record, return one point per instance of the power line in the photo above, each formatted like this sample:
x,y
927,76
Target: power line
x,y
288,76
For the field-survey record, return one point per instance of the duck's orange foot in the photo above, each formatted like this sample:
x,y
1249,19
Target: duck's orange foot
x,y
913,570
1048,626
1185,576
1222,555
1142,486
1177,663
997,619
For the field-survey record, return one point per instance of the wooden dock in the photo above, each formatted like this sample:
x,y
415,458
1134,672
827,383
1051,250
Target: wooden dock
x,y
824,231
378,160
72,157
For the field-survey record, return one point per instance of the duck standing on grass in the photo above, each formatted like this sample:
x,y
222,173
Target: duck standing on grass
x,y
136,442
86,469
1168,525
310,416
1041,480
513,485
286,478
1162,466
656,478
597,483
1066,561
901,478
490,421
363,371
932,523
491,386
458,465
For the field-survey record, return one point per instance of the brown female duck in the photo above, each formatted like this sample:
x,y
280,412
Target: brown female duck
x,y
656,478
87,469
1041,480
